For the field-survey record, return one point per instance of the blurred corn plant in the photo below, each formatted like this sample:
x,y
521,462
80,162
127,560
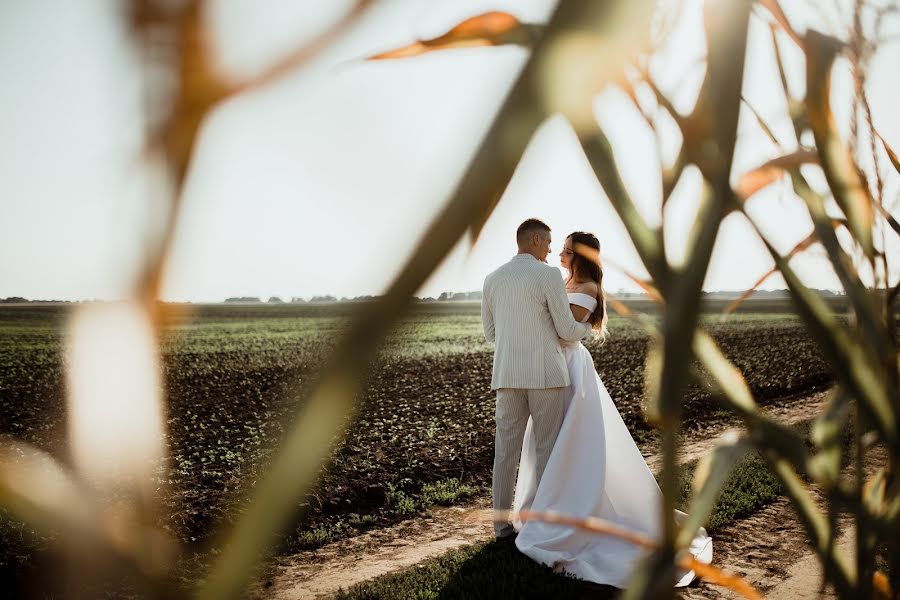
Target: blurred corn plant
x,y
104,505
612,45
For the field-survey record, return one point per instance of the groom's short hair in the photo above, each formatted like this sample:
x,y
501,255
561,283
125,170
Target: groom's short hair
x,y
528,227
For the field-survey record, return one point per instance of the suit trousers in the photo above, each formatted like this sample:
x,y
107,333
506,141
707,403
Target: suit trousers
x,y
547,409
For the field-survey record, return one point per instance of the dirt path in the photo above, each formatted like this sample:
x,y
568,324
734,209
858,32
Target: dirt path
x,y
320,573
770,550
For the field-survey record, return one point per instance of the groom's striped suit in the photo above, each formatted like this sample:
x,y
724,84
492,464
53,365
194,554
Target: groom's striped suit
x,y
525,311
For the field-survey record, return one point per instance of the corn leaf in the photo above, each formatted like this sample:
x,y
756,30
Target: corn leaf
x,y
710,476
493,28
849,361
892,156
850,192
771,171
775,9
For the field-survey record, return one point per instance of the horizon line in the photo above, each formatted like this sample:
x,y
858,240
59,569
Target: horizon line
x,y
446,296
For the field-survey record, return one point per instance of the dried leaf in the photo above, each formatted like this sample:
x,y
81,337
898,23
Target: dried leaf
x,y
591,524
762,123
780,63
617,305
716,576
800,247
882,586
849,191
850,361
775,9
892,156
646,285
494,28
735,304
771,171
874,492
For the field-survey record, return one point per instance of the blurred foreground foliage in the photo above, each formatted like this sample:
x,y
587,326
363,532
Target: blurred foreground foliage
x,y
102,504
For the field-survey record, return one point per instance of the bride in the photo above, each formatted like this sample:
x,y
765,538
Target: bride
x,y
595,468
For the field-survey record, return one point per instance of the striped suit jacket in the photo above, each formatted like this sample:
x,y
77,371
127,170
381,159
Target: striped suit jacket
x,y
525,311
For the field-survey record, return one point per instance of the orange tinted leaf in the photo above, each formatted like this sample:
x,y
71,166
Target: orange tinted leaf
x,y
769,172
617,305
892,156
800,247
882,586
733,306
717,576
593,255
489,29
591,524
775,9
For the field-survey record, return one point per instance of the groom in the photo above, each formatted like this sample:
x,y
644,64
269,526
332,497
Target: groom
x,y
525,311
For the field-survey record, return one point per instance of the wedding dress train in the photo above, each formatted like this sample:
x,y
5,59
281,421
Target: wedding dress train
x,y
595,469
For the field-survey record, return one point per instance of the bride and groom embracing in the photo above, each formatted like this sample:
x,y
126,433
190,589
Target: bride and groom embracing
x,y
555,420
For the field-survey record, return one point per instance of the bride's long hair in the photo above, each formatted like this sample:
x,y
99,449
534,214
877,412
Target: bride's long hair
x,y
586,265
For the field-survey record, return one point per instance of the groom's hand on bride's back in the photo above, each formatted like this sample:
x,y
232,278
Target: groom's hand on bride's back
x,y
566,326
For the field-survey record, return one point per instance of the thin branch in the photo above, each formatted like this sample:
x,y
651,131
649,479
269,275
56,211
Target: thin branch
x,y
763,125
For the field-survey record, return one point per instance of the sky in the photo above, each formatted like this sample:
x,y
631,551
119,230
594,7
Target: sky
x,y
323,181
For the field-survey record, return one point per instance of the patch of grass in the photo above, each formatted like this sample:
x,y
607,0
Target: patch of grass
x,y
398,501
446,492
321,535
750,487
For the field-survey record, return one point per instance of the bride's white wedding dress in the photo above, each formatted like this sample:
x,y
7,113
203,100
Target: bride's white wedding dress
x,y
595,469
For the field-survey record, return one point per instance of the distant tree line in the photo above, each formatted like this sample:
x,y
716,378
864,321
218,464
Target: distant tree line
x,y
19,300
459,296
295,300
443,297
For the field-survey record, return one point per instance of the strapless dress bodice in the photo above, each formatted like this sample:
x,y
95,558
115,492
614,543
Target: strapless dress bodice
x,y
584,301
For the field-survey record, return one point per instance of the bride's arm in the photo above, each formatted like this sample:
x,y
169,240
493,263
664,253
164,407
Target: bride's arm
x,y
579,312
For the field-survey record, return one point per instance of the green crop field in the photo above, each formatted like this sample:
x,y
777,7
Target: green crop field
x,y
424,432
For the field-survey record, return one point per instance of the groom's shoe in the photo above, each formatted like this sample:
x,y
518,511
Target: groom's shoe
x,y
509,538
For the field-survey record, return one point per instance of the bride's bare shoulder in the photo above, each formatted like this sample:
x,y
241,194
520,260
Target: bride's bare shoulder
x,y
586,287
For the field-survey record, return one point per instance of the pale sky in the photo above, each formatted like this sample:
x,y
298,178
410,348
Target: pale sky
x,y
322,182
